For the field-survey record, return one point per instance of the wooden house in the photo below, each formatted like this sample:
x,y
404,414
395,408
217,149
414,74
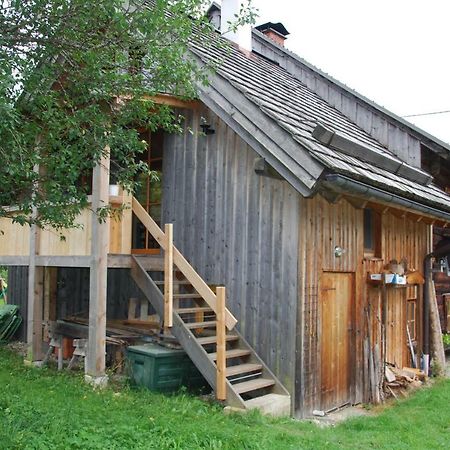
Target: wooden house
x,y
294,193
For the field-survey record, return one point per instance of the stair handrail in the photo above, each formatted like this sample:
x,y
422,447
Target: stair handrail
x,y
180,261
168,278
221,346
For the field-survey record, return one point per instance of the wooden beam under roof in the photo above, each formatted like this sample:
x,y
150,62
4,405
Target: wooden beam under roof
x,y
398,210
176,102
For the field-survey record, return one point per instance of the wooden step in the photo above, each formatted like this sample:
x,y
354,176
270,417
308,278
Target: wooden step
x,y
235,353
193,295
210,324
252,385
213,339
179,282
194,310
243,368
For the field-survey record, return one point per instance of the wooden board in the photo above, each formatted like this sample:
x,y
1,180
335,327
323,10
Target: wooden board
x,y
336,306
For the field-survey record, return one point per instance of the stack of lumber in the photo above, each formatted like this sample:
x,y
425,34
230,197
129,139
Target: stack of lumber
x,y
9,321
399,381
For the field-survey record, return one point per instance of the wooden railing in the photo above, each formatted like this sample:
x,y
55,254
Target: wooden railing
x,y
174,257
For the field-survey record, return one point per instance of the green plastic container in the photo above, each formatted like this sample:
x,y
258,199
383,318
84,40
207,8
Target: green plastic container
x,y
162,369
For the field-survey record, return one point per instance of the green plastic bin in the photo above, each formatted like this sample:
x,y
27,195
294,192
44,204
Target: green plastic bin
x,y
162,369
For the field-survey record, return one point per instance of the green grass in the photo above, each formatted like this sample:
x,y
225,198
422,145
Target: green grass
x,y
42,409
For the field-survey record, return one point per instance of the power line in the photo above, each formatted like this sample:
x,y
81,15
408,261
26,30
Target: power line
x,y
429,113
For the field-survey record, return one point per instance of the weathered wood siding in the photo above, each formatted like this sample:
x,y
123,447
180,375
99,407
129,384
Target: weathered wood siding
x,y
15,238
18,295
238,229
322,227
73,293
378,124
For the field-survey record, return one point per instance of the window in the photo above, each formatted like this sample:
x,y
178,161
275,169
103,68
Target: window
x,y
411,307
372,233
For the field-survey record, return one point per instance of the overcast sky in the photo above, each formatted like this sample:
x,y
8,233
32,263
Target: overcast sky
x,y
395,52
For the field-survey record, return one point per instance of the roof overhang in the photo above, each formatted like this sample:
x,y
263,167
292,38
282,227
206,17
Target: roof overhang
x,y
287,157
344,185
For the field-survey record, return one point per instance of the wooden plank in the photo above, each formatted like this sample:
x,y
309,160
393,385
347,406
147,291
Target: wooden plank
x,y
63,261
253,385
170,100
35,294
220,356
168,277
6,260
95,358
194,325
36,289
194,310
132,308
208,340
126,224
143,313
229,354
243,368
181,296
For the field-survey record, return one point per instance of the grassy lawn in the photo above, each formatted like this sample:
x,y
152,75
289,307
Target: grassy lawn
x,y
42,409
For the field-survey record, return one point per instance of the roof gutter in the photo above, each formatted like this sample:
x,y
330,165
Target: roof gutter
x,y
345,185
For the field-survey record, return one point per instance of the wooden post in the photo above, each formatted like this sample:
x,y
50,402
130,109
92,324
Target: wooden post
x,y
35,296
168,277
221,388
50,288
35,304
95,358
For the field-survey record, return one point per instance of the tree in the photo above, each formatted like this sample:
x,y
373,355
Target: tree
x,y
77,77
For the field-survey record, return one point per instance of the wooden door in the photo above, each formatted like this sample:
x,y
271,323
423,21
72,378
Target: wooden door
x,y
336,301
149,192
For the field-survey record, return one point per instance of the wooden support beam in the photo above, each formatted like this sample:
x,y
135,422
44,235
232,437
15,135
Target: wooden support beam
x,y
221,388
95,358
126,224
168,277
50,288
35,307
35,296
175,102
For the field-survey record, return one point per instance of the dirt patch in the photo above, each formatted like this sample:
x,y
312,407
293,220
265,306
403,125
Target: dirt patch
x,y
18,347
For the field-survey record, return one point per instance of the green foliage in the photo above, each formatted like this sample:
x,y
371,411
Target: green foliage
x,y
446,340
42,409
77,77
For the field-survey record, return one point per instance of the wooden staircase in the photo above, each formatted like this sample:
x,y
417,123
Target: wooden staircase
x,y
206,332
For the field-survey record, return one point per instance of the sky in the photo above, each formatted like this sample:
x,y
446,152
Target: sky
x,y
396,53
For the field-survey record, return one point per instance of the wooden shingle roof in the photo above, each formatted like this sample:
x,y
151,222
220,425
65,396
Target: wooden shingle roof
x,y
276,113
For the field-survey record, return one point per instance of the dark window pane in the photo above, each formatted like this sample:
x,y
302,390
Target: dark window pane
x,y
368,230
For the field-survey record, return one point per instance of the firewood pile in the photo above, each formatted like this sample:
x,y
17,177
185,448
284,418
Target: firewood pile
x,y
399,381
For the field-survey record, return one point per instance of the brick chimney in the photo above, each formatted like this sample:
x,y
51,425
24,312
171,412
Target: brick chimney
x,y
275,31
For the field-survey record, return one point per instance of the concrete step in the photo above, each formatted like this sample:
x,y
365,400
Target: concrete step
x,y
271,404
